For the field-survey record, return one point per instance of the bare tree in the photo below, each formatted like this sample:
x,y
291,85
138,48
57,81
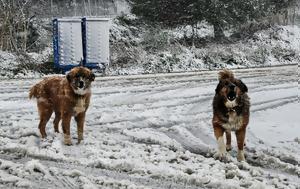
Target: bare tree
x,y
16,25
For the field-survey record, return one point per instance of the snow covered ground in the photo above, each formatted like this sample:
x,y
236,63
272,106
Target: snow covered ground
x,y
154,131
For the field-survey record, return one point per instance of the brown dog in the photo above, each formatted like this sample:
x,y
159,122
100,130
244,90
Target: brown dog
x,y
230,113
66,96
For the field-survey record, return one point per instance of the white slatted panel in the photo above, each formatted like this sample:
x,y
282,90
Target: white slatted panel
x,y
97,30
70,41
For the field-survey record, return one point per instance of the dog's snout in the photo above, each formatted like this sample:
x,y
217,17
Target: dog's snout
x,y
231,86
231,95
81,84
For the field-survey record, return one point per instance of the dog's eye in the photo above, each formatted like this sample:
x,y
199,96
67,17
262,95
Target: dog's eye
x,y
77,75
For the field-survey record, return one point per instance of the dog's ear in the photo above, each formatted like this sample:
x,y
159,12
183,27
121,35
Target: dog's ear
x,y
92,76
69,77
219,87
243,86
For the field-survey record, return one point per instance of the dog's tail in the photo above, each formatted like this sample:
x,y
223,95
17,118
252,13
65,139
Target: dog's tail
x,y
33,92
225,74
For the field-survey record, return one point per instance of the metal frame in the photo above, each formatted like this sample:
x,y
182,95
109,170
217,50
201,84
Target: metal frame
x,y
55,43
83,30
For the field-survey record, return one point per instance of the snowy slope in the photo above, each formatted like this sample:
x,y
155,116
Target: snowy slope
x,y
154,131
137,49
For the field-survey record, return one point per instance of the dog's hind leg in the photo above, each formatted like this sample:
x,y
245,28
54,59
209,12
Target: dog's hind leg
x,y
56,121
45,114
228,140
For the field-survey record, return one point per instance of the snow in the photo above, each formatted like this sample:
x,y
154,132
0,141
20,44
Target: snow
x,y
12,65
139,50
274,119
35,166
203,30
154,131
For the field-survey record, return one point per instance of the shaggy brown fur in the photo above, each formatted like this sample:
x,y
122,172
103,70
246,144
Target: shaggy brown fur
x,y
225,74
66,97
230,112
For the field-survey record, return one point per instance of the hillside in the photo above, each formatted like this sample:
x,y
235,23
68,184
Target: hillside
x,y
144,49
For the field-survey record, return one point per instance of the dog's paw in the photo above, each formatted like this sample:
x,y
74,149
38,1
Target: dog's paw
x,y
79,141
68,143
241,155
67,140
228,148
80,137
222,156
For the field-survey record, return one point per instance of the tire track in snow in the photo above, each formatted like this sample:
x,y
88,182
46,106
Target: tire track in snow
x,y
60,180
269,104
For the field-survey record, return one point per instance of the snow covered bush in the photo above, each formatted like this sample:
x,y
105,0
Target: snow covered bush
x,y
163,63
138,48
156,40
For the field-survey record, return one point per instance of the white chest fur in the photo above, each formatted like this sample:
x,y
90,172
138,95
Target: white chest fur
x,y
234,123
80,106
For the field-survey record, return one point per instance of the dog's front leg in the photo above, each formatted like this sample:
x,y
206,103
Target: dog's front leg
x,y
240,137
219,132
228,141
66,119
80,124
